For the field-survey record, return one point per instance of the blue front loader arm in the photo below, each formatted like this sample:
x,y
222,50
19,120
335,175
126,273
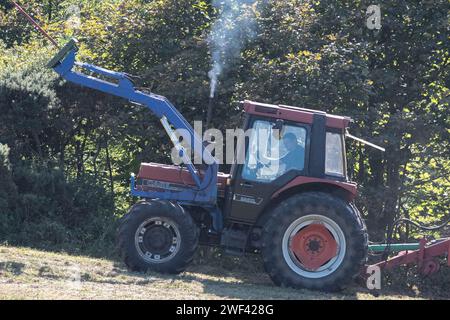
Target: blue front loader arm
x,y
205,190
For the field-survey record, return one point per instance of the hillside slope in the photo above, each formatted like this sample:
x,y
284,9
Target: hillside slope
x,y
31,274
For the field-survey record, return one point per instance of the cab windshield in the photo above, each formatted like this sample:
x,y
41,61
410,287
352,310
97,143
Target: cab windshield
x,y
273,152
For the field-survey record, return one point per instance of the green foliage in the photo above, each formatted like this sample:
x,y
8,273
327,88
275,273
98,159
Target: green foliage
x,y
26,100
6,5
8,189
45,202
51,212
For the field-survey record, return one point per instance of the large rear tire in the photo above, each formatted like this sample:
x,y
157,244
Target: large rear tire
x,y
157,235
314,241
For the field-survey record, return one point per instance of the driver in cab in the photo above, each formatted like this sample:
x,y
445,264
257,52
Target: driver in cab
x,y
293,159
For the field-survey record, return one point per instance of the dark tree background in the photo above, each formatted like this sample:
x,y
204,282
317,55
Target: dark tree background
x,y
66,152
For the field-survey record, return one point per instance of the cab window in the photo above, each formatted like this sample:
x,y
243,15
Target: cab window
x,y
272,152
334,154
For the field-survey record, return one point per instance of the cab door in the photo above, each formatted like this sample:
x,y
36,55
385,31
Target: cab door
x,y
261,171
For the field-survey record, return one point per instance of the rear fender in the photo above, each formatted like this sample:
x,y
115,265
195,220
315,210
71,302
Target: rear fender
x,y
343,190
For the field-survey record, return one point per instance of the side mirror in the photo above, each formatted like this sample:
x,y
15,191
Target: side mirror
x,y
279,123
277,129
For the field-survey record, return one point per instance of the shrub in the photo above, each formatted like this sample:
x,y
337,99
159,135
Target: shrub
x,y
51,212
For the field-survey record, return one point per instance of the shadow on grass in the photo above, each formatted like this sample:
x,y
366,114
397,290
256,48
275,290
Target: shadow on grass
x,y
233,277
244,278
11,267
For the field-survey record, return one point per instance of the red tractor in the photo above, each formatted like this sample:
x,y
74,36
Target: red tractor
x,y
295,208
300,218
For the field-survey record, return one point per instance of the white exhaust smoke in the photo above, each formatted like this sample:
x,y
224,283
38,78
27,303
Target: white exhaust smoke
x,y
235,25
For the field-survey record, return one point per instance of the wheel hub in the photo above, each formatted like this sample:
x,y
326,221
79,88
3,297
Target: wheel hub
x,y
313,246
157,240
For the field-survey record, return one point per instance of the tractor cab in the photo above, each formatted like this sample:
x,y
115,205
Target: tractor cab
x,y
287,150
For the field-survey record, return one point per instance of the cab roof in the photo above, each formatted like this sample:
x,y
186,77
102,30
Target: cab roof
x,y
294,114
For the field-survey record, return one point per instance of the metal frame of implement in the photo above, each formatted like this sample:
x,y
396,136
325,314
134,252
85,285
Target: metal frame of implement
x,y
423,254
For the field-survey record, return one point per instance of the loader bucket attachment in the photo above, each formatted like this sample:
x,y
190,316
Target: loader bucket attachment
x,y
68,47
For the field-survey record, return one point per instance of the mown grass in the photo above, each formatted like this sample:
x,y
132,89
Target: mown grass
x,y
32,274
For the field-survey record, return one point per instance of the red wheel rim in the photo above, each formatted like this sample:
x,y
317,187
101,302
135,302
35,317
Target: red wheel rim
x,y
313,246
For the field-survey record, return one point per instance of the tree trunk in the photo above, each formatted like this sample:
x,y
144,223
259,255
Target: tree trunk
x,y
392,192
108,164
375,195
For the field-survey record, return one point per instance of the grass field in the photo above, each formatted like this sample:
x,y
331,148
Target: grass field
x,y
32,274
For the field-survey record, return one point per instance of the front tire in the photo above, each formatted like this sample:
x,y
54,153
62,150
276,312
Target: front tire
x,y
314,241
157,235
